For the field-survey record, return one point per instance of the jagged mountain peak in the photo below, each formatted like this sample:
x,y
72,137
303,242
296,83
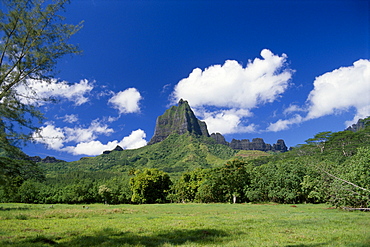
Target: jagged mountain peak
x,y
361,124
178,119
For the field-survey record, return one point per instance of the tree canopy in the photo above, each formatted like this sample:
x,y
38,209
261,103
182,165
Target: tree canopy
x,y
33,36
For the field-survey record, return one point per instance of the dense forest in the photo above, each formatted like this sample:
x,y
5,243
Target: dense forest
x,y
331,167
185,165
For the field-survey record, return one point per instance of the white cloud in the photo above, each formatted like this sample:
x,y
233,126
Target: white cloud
x,y
340,90
135,140
78,134
73,118
226,121
235,90
334,92
231,85
284,124
112,119
59,139
51,136
294,108
361,113
37,89
126,101
90,148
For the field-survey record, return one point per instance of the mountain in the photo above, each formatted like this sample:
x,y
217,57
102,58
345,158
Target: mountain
x,y
176,154
178,119
181,142
258,144
361,124
255,144
47,159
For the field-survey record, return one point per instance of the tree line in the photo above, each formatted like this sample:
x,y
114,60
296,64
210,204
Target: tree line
x,y
331,167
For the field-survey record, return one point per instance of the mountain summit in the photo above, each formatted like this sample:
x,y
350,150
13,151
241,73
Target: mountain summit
x,y
178,119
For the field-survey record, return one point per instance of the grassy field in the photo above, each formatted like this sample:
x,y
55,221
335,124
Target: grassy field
x,y
182,225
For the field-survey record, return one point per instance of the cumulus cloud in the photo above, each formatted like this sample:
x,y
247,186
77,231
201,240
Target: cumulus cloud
x,y
55,137
126,101
334,92
59,139
226,121
231,85
340,90
234,89
135,140
79,134
37,89
284,124
51,136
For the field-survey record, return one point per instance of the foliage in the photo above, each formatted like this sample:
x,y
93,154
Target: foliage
x,y
350,182
150,186
33,37
231,179
331,167
12,175
175,155
278,182
221,184
186,188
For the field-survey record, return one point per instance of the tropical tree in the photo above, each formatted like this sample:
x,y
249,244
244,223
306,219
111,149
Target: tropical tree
x,y
222,184
105,192
234,176
278,182
32,39
150,186
350,182
186,188
319,140
12,175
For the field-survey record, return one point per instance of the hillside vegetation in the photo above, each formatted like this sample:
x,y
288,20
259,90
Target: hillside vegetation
x,y
330,167
176,154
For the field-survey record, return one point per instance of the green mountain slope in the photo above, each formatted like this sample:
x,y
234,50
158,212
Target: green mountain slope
x,y
176,154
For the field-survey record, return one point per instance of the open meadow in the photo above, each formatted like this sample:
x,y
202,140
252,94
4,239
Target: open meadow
x,y
182,225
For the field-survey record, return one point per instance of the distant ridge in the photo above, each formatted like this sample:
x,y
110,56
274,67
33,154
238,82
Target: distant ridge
x,y
361,124
255,144
180,119
47,159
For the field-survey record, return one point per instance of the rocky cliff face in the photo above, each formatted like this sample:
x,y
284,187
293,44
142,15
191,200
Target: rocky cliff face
x,y
47,159
255,144
220,139
178,119
361,124
117,148
279,146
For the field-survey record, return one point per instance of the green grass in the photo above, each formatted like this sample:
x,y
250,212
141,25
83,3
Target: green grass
x,y
251,154
182,225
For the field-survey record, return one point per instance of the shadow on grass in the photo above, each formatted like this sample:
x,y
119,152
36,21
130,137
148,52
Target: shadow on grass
x,y
366,243
111,237
14,208
307,245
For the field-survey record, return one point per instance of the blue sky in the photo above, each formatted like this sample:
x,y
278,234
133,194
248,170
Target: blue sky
x,y
270,69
